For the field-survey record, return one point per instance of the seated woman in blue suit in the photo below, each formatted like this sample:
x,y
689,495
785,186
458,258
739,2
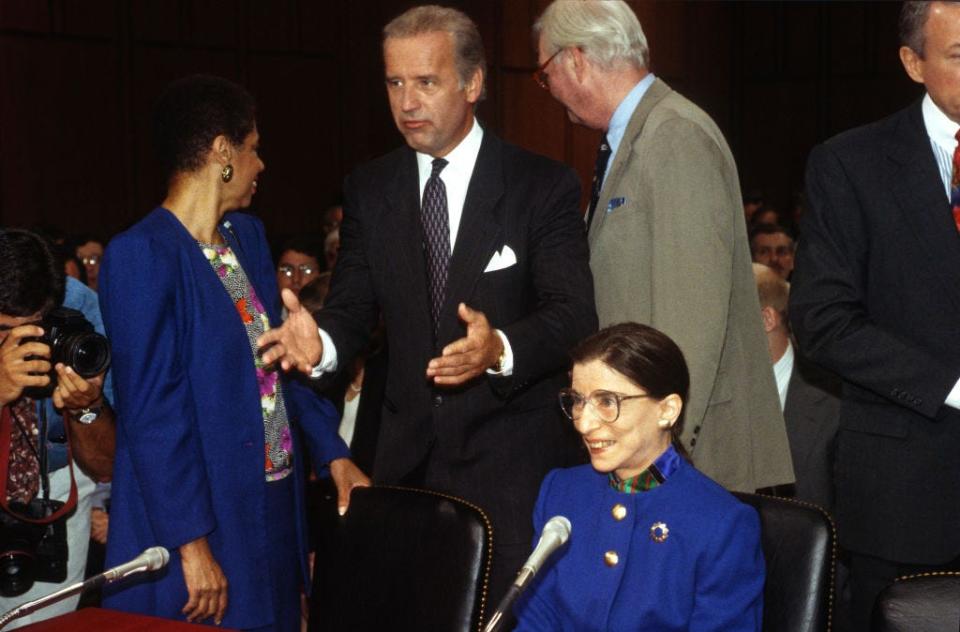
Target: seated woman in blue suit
x,y
655,545
207,454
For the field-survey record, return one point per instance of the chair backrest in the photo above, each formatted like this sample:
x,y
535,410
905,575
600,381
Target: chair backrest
x,y
799,545
925,602
401,559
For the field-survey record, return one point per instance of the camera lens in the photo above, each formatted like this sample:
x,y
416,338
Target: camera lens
x,y
17,570
87,353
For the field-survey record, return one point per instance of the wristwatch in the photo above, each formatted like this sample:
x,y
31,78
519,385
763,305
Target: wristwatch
x,y
88,415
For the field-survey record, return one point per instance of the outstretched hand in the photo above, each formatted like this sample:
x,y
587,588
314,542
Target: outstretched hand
x,y
296,343
466,358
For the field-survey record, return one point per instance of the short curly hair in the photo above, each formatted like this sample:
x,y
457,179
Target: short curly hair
x,y
194,110
32,279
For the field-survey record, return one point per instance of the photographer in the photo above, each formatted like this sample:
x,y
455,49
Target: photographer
x,y
31,286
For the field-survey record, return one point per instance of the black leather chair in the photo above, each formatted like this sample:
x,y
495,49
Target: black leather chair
x,y
401,559
799,544
925,602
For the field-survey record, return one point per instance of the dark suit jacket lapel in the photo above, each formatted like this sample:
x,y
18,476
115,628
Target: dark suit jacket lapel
x,y
402,198
478,236
654,94
915,180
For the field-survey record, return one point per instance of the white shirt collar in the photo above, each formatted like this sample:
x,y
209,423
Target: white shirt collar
x,y
940,128
460,161
782,370
455,176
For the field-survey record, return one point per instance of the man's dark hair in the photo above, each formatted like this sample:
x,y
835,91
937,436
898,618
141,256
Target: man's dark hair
x,y
913,17
771,229
194,110
311,245
31,280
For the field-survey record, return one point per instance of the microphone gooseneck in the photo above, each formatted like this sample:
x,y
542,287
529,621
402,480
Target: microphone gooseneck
x,y
152,559
554,535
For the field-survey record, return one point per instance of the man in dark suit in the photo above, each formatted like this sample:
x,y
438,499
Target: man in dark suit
x,y
809,396
875,298
481,300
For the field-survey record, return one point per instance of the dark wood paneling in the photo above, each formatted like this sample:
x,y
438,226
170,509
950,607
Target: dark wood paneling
x,y
215,23
59,158
155,20
299,139
25,15
80,78
88,18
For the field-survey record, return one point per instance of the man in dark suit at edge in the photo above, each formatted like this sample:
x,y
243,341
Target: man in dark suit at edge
x,y
475,252
876,298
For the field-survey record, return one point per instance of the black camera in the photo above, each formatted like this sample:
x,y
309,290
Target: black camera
x,y
31,552
72,341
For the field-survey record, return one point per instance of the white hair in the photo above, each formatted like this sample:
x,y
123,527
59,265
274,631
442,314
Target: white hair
x,y
607,31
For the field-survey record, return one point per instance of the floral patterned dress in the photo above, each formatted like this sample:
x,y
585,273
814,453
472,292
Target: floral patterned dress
x,y
278,445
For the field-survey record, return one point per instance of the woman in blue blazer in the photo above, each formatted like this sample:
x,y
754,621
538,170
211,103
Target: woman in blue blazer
x,y
207,458
655,545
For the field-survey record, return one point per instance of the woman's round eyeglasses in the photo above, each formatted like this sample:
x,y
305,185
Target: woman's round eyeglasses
x,y
606,404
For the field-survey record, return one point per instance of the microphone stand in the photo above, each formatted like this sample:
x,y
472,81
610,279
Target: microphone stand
x,y
97,581
505,605
43,602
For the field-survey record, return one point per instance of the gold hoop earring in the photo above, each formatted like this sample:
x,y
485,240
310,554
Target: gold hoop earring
x,y
226,174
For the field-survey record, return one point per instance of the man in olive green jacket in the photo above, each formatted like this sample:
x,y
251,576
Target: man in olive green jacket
x,y
667,236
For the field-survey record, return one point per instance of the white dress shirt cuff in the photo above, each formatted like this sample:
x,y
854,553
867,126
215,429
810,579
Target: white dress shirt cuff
x,y
507,368
953,399
328,359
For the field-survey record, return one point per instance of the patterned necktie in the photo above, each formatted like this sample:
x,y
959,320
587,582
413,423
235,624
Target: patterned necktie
x,y
23,467
436,230
599,169
955,184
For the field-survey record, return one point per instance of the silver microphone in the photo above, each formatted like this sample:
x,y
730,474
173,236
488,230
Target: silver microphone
x,y
555,533
154,558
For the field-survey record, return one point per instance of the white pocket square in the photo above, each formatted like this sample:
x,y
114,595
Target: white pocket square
x,y
503,259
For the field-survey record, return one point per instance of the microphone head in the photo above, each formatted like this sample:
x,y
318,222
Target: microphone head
x,y
558,526
156,557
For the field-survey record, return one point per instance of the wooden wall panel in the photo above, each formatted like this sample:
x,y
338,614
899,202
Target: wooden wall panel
x,y
300,138
81,75
518,49
25,15
213,23
531,117
273,25
155,20
88,18
58,160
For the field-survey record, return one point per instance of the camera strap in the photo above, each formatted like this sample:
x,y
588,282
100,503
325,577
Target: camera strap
x,y
6,428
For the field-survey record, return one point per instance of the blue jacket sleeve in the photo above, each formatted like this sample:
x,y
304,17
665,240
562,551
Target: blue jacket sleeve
x,y
157,421
730,577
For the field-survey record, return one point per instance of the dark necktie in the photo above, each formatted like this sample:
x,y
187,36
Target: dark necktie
x,y
599,169
955,184
436,231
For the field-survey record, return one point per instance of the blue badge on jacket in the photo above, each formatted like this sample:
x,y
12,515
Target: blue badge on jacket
x,y
615,203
